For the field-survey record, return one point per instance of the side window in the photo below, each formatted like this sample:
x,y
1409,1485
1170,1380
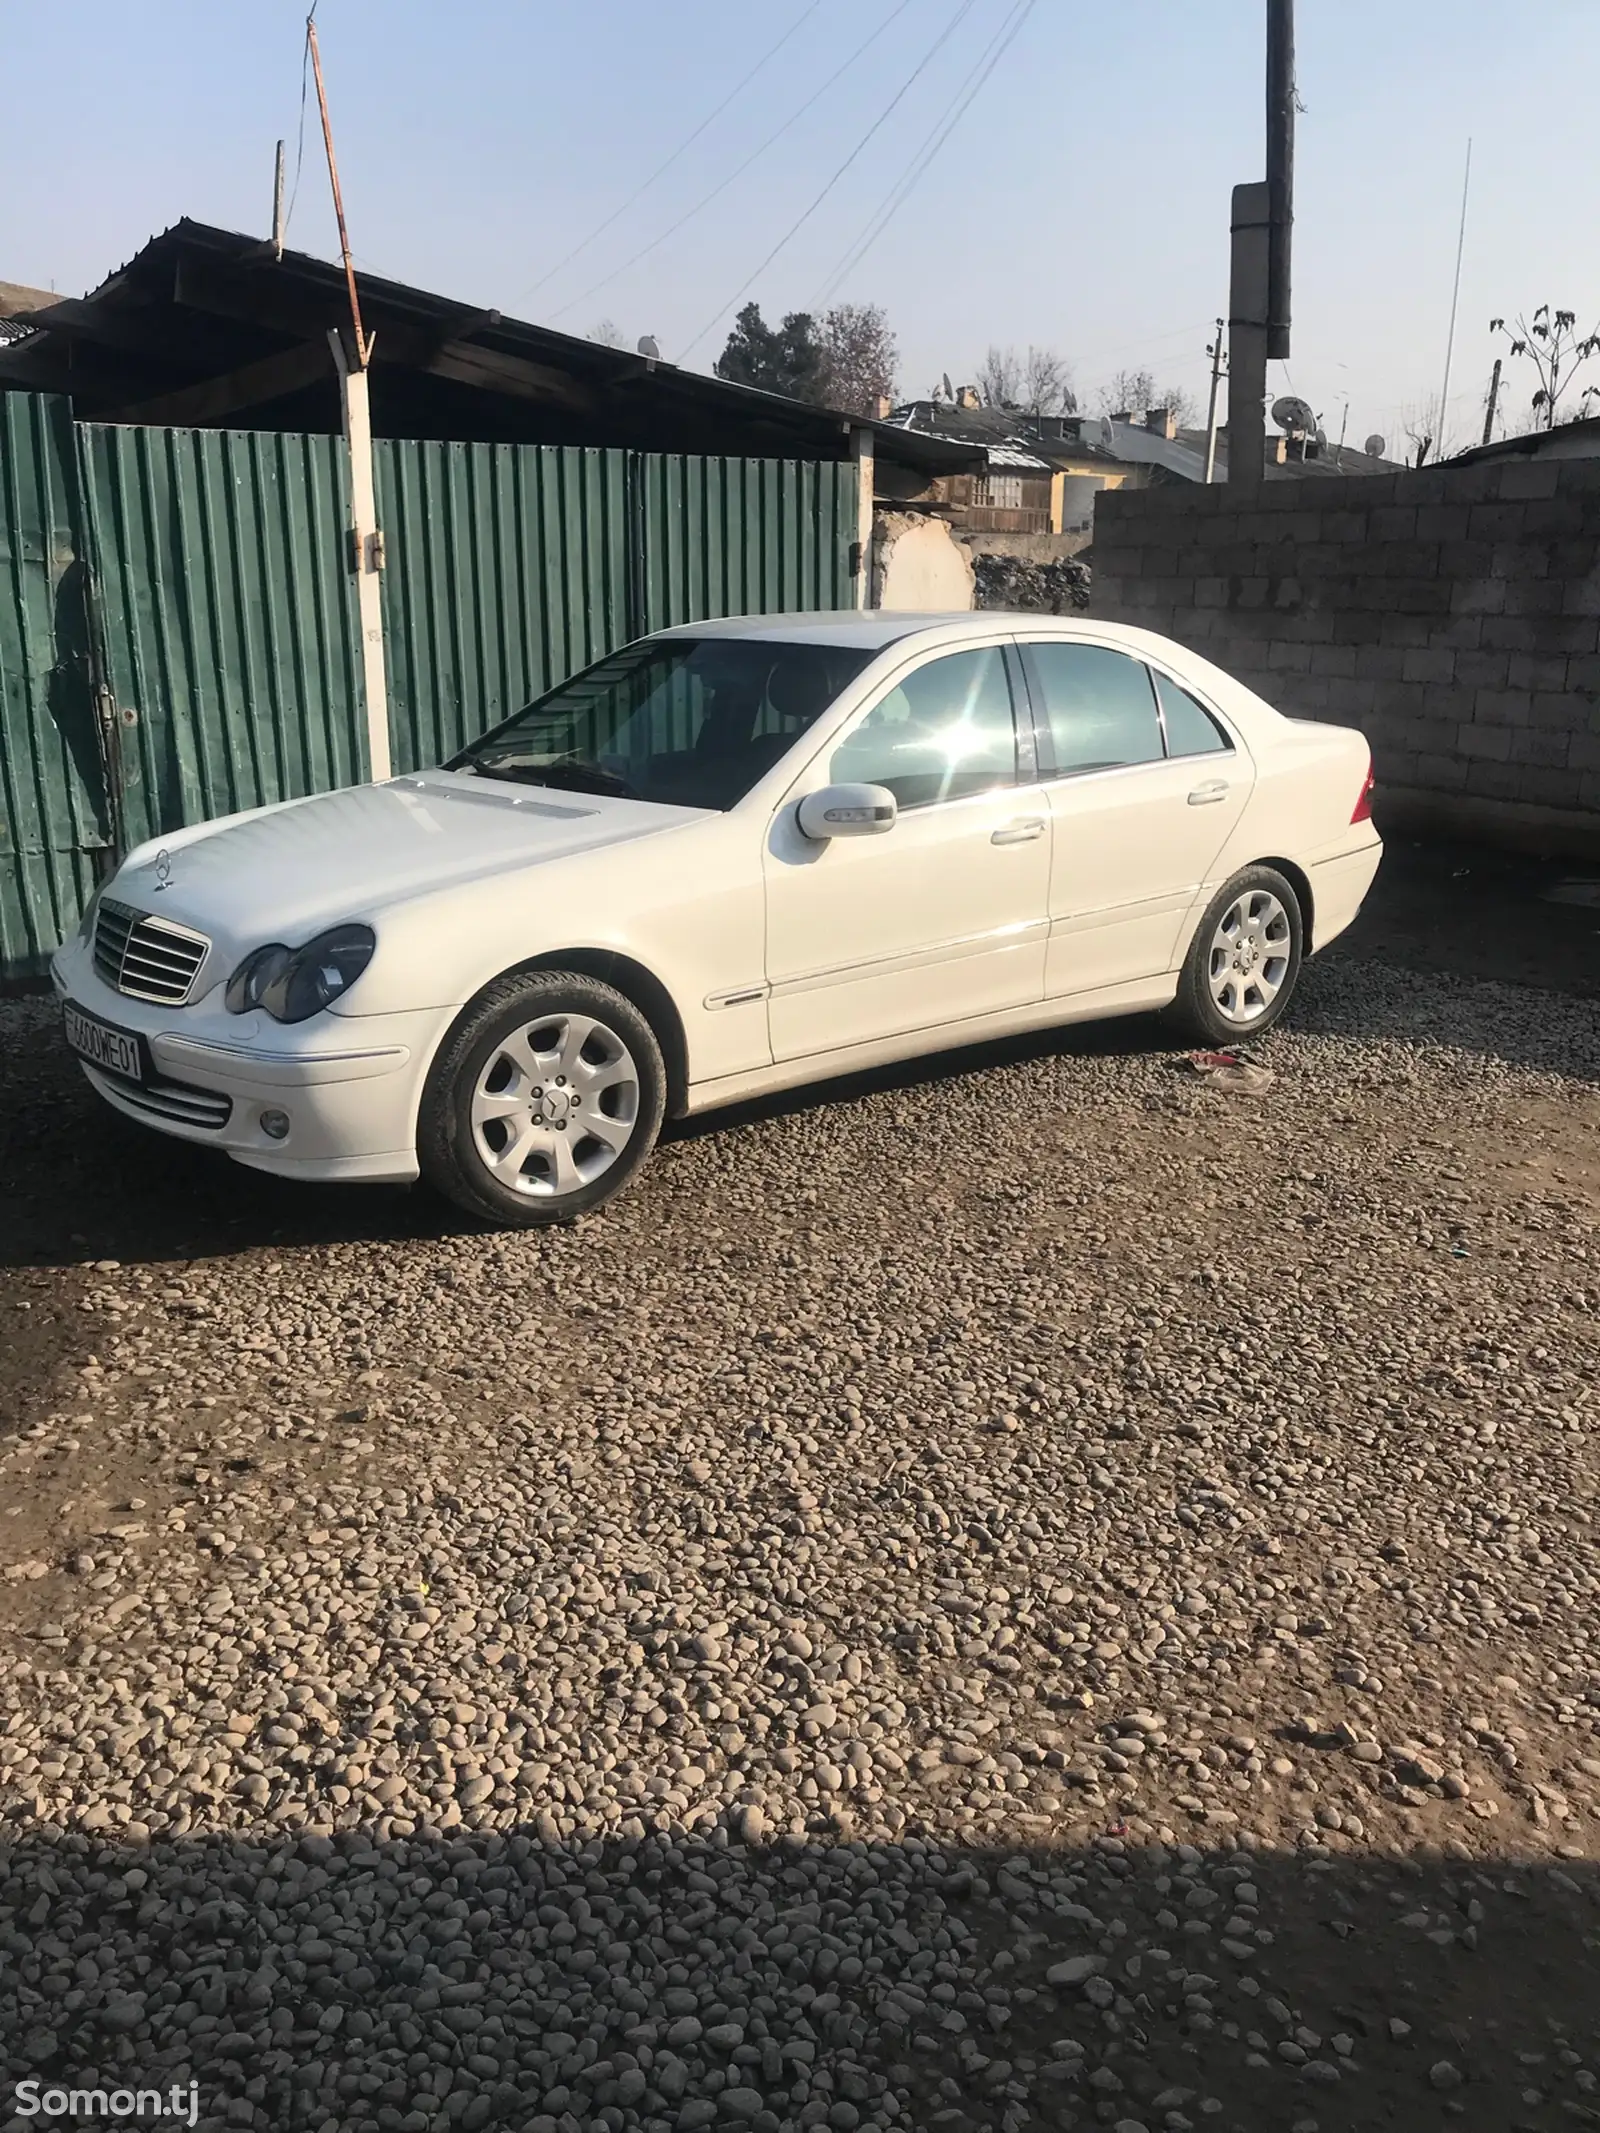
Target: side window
x,y
1099,706
1191,730
945,732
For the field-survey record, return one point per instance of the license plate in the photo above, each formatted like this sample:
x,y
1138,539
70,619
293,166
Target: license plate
x,y
118,1051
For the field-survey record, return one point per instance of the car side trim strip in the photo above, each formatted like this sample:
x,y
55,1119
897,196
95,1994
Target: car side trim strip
x,y
1001,940
741,996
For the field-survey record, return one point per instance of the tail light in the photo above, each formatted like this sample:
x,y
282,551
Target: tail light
x,y
1363,810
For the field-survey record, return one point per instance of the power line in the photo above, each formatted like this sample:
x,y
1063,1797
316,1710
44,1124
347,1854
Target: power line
x,y
754,156
932,142
682,149
300,141
805,216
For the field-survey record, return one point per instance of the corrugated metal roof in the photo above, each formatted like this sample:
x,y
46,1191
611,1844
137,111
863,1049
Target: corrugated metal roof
x,y
162,293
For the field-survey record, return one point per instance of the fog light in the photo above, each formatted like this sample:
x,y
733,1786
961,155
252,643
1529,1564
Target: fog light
x,y
275,1125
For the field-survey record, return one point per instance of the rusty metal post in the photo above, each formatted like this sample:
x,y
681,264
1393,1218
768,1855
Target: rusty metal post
x,y
362,346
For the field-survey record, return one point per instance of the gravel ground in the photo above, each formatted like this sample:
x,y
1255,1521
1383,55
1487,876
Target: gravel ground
x,y
1047,1595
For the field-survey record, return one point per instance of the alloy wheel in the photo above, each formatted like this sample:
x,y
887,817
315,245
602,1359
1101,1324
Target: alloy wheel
x,y
555,1105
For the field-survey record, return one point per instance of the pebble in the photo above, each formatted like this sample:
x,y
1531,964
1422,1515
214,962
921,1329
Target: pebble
x,y
754,1663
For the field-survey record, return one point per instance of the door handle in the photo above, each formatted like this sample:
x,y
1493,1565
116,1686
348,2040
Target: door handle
x,y
1204,795
1022,831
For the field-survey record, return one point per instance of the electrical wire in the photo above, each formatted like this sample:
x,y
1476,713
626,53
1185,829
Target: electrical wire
x,y
300,142
805,216
682,149
754,156
932,142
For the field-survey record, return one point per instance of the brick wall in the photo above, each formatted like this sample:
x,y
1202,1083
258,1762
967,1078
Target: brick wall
x,y
1451,613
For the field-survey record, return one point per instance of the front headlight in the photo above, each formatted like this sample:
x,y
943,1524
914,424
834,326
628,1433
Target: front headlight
x,y
292,984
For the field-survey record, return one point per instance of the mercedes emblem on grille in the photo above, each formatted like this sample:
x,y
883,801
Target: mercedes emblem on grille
x,y
163,864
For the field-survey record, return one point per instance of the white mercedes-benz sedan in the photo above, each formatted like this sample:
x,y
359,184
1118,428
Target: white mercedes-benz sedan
x,y
728,859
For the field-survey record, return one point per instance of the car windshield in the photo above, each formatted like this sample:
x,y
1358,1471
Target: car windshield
x,y
687,722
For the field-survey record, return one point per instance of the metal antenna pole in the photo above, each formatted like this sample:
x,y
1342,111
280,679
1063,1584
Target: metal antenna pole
x,y
277,205
1455,299
363,347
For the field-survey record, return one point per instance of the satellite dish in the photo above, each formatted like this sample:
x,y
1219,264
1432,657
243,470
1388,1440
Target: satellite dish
x,y
1293,415
649,346
949,389
1375,446
1108,436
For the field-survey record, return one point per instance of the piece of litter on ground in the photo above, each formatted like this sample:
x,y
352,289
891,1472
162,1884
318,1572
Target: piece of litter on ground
x,y
1238,1069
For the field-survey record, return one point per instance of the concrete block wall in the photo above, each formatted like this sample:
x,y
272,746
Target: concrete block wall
x,y
1453,614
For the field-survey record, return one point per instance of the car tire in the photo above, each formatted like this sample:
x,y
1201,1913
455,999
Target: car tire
x,y
543,1101
1244,961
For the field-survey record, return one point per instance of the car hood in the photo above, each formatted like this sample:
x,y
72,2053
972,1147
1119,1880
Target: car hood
x,y
280,873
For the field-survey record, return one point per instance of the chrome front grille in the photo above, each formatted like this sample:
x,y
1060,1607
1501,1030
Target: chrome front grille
x,y
186,1106
146,958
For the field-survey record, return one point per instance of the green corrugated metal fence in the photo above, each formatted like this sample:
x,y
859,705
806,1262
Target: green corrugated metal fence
x,y
229,618
510,566
506,568
53,813
186,593
743,536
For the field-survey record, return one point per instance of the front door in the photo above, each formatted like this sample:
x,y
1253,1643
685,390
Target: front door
x,y
942,918
1145,786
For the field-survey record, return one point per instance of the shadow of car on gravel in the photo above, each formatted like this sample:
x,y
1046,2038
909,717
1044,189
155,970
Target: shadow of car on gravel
x,y
509,1978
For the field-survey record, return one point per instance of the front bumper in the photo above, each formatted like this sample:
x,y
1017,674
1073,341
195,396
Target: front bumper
x,y
349,1085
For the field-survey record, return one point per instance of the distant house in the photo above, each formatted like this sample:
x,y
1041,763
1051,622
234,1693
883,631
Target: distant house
x,y
1050,468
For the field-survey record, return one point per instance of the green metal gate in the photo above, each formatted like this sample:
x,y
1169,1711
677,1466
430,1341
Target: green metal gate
x,y
54,818
228,618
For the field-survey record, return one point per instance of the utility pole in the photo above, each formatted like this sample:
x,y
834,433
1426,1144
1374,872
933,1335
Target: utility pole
x,y
277,204
1258,290
1494,395
1215,353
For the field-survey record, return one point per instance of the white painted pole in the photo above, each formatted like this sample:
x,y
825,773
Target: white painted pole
x,y
367,553
1455,299
862,451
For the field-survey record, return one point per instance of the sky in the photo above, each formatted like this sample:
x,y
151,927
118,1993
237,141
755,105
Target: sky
x,y
1079,203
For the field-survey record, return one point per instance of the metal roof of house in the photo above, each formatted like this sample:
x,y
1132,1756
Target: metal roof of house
x,y
1568,440
204,326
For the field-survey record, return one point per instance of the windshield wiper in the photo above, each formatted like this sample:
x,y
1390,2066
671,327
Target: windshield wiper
x,y
563,777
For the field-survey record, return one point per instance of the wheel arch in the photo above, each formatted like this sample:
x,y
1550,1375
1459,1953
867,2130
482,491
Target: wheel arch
x,y
1300,882
644,989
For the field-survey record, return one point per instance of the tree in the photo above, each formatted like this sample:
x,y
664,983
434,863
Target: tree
x,y
606,332
1133,391
1129,392
1035,382
789,358
1551,341
1423,424
859,356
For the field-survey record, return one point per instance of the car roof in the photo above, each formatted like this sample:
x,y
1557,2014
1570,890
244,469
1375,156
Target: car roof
x,y
873,629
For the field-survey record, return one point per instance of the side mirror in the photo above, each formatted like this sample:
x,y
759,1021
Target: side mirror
x,y
847,811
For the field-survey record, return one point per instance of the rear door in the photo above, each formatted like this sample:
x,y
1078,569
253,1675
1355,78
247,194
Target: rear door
x,y
1145,786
